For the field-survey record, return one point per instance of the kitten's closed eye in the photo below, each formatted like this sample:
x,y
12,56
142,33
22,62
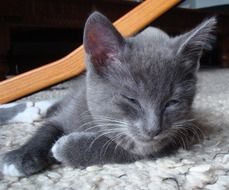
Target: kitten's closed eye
x,y
171,103
131,100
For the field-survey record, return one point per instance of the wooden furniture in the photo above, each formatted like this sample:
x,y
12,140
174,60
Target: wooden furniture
x,y
33,32
21,49
73,64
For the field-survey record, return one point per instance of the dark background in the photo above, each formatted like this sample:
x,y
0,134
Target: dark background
x,y
34,33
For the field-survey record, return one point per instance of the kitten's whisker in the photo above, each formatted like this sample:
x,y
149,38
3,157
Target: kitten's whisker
x,y
196,131
85,124
97,125
183,122
104,131
101,135
83,113
105,118
120,142
108,143
181,135
189,127
172,136
117,144
192,131
196,127
117,127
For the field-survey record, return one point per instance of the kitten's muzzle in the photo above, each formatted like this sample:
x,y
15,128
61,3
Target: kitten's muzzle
x,y
148,135
154,132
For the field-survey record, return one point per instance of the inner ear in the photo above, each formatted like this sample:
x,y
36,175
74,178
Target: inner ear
x,y
191,44
200,38
101,39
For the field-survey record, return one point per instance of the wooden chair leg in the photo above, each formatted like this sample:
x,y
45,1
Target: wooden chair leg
x,y
73,64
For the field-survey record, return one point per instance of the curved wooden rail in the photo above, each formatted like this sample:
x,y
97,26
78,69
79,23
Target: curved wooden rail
x,y
73,64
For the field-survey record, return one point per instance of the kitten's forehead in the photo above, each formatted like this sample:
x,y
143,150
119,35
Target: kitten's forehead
x,y
150,54
151,46
150,61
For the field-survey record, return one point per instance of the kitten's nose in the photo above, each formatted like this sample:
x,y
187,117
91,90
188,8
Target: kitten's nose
x,y
152,122
154,132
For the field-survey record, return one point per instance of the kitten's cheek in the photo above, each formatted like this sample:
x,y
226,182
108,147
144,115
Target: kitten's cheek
x,y
166,123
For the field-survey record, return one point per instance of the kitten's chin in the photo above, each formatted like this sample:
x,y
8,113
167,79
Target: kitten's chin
x,y
143,146
146,146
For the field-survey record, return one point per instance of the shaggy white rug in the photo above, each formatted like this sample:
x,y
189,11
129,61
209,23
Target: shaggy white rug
x,y
204,166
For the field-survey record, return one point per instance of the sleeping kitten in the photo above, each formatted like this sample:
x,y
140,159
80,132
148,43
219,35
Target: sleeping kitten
x,y
134,102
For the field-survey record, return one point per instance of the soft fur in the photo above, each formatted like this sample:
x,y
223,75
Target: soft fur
x,y
133,103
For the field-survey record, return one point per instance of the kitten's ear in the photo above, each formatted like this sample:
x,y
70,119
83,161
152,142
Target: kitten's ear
x,y
192,43
101,40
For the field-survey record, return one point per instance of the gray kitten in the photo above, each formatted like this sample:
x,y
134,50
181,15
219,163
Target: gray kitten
x,y
133,103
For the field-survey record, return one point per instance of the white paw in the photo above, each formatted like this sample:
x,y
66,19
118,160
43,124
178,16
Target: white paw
x,y
43,106
29,115
57,148
11,170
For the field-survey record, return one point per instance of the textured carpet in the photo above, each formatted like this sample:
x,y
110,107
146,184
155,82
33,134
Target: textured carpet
x,y
204,166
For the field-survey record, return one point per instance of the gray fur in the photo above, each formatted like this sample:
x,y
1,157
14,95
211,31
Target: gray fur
x,y
134,101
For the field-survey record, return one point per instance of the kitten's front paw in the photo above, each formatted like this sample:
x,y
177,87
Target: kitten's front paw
x,y
9,164
58,149
71,149
9,169
22,163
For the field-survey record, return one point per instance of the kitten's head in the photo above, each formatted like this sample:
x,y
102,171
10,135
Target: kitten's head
x,y
140,89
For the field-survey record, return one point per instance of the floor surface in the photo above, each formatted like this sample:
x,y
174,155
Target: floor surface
x,y
204,166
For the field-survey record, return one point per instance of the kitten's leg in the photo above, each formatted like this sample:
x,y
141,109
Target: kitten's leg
x,y
85,149
34,156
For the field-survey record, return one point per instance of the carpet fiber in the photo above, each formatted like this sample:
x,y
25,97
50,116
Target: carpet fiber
x,y
204,166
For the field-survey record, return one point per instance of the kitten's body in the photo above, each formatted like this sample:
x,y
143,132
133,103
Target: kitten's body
x,y
134,101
